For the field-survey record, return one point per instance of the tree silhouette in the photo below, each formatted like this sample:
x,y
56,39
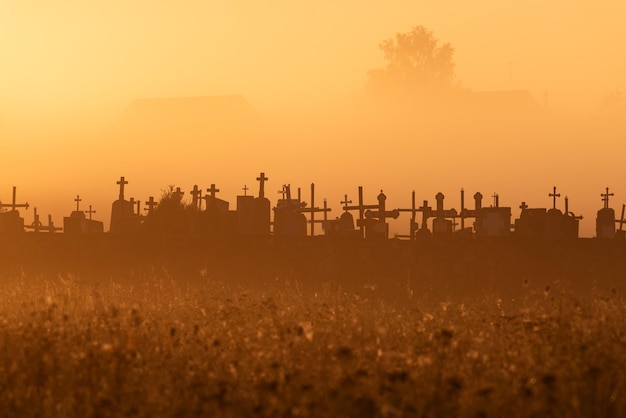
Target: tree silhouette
x,y
417,66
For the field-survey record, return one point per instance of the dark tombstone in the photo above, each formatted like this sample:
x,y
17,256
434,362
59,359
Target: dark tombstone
x,y
547,223
605,218
570,222
493,221
11,222
342,226
289,221
123,217
216,214
77,222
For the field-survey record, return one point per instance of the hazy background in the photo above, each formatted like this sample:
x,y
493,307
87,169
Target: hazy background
x,y
70,70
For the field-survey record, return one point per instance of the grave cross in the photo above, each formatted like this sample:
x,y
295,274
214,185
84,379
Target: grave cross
x,y
178,194
262,179
426,213
51,227
496,200
14,205
78,200
523,206
312,210
212,190
90,211
150,205
605,198
621,218
283,191
195,195
36,225
361,208
381,214
122,182
345,202
554,195
245,190
412,224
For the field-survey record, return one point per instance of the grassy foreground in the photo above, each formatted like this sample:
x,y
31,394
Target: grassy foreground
x,y
156,346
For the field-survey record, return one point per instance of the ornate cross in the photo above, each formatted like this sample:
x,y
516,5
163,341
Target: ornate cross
x,y
78,200
554,195
14,205
605,198
90,211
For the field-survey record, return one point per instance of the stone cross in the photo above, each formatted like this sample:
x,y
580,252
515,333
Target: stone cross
x,y
605,198
262,179
78,200
122,182
90,211
178,194
195,195
212,190
150,205
554,195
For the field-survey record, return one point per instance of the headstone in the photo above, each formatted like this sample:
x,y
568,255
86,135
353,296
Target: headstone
x,y
605,218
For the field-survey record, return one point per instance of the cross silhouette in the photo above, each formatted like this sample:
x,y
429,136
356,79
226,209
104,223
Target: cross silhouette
x,y
122,183
605,198
554,195
262,179
90,211
345,202
195,193
78,200
245,190
523,206
212,190
283,191
150,205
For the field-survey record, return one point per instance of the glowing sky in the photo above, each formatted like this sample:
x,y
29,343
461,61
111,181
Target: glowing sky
x,y
69,68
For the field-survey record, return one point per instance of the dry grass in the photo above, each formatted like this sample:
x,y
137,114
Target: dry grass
x,y
158,347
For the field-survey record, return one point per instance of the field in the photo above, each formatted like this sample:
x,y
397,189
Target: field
x,y
152,343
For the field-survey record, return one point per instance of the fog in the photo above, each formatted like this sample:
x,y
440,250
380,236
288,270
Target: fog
x,y
89,93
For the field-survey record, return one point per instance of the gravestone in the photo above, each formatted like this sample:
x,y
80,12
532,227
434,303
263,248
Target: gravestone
x,y
123,217
11,222
605,218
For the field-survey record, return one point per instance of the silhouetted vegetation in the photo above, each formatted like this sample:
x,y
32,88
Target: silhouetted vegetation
x,y
171,215
417,66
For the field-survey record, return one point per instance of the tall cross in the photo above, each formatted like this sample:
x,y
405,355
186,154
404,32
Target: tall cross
x,y
523,206
122,183
605,198
361,208
15,205
262,179
314,209
345,202
195,195
150,205
78,200
90,211
554,195
245,190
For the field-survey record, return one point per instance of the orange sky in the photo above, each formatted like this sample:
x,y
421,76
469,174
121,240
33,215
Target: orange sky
x,y
70,68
